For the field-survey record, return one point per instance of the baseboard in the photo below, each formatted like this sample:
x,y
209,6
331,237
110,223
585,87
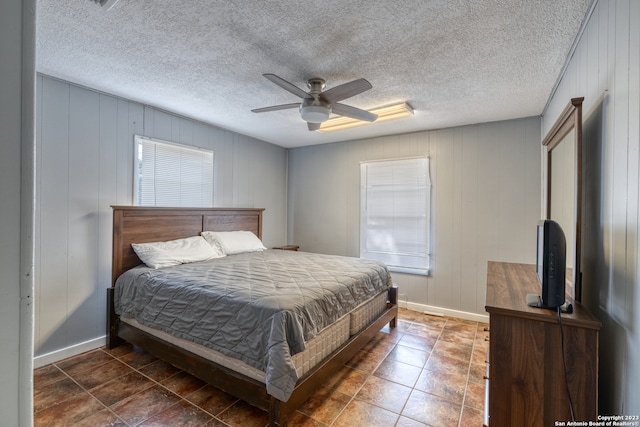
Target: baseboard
x,y
58,355
439,311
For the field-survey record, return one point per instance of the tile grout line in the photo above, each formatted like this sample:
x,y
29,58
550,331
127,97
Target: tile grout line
x,y
414,385
466,387
137,370
353,398
133,370
85,390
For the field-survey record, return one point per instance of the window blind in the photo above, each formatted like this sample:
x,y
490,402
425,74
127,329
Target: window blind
x,y
395,213
168,174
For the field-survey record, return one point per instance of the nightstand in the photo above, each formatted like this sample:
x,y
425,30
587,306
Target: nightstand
x,y
288,247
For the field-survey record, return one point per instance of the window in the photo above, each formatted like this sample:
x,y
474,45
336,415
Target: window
x,y
168,174
395,215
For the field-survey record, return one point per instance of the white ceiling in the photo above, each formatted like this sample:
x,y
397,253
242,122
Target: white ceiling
x,y
455,62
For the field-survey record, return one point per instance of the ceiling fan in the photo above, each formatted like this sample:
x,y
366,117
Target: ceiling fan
x,y
318,104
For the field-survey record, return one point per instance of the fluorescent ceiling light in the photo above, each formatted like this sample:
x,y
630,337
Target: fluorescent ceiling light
x,y
391,112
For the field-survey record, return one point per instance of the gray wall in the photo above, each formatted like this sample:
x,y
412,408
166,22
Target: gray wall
x,y
17,31
485,203
85,165
605,69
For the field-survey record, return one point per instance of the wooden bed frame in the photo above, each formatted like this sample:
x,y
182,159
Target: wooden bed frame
x,y
134,224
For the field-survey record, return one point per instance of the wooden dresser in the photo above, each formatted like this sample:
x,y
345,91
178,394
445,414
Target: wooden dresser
x,y
526,379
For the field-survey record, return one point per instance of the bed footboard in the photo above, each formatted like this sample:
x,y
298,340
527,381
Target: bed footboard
x,y
247,389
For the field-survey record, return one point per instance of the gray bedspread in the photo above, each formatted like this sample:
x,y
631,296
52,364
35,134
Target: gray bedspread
x,y
258,307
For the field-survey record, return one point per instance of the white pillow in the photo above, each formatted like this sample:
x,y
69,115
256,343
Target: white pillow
x,y
234,242
175,252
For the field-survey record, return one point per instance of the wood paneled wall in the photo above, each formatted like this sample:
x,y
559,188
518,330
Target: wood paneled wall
x,y
85,155
605,69
485,203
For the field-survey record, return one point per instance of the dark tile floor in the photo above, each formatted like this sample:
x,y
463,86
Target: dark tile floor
x,y
426,372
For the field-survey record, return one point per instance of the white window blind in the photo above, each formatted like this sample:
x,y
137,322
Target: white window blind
x,y
395,198
168,174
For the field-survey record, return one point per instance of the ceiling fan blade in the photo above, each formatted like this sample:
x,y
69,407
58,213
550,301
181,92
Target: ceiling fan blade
x,y
346,90
353,112
276,108
290,87
313,126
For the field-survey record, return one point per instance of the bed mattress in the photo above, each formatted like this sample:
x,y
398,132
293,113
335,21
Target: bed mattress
x,y
320,346
362,316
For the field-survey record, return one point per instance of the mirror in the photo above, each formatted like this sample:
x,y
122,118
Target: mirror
x,y
563,179
561,195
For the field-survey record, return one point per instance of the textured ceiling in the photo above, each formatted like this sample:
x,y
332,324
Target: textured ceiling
x,y
455,62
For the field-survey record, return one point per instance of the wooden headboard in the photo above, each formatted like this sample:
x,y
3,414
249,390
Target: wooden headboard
x,y
138,224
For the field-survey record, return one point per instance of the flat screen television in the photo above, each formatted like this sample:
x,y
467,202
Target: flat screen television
x,y
550,266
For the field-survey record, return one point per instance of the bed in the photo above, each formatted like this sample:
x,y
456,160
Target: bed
x,y
300,351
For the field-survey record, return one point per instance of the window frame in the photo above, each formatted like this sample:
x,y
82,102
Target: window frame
x,y
140,140
365,249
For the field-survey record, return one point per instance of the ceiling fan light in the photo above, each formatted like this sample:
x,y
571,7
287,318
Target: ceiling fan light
x,y
315,113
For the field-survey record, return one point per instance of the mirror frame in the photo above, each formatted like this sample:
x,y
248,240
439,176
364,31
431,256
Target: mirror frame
x,y
571,118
